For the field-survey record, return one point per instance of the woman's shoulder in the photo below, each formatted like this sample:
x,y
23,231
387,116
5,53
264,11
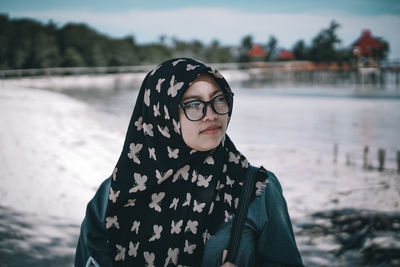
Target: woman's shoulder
x,y
271,184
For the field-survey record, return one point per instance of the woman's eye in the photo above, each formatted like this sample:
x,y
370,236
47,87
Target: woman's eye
x,y
193,105
219,99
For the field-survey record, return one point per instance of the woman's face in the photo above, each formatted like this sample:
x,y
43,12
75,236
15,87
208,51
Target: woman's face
x,y
207,133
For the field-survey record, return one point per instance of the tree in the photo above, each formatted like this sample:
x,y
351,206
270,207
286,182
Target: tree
x,y
272,46
323,45
300,50
245,45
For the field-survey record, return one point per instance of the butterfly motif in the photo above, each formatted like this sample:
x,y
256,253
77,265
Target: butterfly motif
x,y
156,199
177,126
228,216
162,177
157,229
156,109
192,151
154,70
152,153
187,201
134,151
177,61
139,124
147,97
135,226
191,226
224,168
164,131
203,181
113,195
158,86
140,183
114,174
198,207
236,202
194,176
172,256
233,158
189,248
176,227
229,181
172,153
121,253
215,73
133,248
130,203
166,113
174,203
211,208
182,172
174,87
148,129
209,160
206,235
149,258
245,163
260,187
110,221
228,198
190,67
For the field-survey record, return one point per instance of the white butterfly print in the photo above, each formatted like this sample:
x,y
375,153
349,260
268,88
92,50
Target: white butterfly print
x,y
139,124
156,199
217,197
133,248
211,208
215,73
113,195
130,203
149,258
177,126
182,172
172,256
156,109
260,187
198,207
134,151
189,248
209,160
161,177
190,67
121,253
245,163
228,216
229,181
228,198
194,176
135,226
152,153
172,153
140,183
177,61
192,151
158,86
147,97
236,202
174,203
157,232
187,201
191,226
154,70
206,235
224,168
114,174
174,87
203,181
164,131
148,129
176,227
112,221
166,113
233,158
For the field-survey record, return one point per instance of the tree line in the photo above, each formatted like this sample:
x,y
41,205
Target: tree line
x,y
26,43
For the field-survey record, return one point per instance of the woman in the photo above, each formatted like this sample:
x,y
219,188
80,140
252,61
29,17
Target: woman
x,y
175,189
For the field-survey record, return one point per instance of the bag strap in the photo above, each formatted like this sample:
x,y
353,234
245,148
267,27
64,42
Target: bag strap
x,y
241,214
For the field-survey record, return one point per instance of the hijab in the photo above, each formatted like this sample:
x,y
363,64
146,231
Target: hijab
x,y
167,199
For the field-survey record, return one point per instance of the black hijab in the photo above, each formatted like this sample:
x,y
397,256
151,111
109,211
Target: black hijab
x,y
167,199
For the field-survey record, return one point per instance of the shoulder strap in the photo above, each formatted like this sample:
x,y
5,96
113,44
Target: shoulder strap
x,y
241,214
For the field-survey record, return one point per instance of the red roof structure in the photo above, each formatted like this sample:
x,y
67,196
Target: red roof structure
x,y
257,51
285,55
366,45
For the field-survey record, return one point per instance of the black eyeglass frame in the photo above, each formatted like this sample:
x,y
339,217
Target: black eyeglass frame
x,y
229,100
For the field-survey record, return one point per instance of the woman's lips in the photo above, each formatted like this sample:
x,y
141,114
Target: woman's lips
x,y
211,130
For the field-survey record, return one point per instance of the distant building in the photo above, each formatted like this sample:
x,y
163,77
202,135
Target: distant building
x,y
257,53
285,55
367,46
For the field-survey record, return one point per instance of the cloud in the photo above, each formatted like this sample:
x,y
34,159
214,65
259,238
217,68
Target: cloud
x,y
226,25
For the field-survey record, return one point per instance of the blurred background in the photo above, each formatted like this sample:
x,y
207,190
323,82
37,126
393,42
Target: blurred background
x,y
317,101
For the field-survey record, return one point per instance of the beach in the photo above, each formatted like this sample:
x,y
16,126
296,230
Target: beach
x,y
56,149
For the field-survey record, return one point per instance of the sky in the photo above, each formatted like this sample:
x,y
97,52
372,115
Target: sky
x,y
222,20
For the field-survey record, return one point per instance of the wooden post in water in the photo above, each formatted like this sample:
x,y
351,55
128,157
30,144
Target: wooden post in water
x,y
381,159
335,153
398,161
365,164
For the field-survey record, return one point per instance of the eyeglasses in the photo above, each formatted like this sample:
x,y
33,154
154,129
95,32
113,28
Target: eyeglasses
x,y
195,110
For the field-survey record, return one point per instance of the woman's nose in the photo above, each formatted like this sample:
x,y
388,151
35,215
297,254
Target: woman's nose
x,y
210,114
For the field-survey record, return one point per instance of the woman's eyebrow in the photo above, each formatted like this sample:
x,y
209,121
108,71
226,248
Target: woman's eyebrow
x,y
217,91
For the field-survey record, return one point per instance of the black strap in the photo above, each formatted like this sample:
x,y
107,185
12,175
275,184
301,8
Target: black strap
x,y
241,215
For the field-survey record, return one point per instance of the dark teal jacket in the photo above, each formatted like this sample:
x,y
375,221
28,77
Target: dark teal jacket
x,y
267,238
